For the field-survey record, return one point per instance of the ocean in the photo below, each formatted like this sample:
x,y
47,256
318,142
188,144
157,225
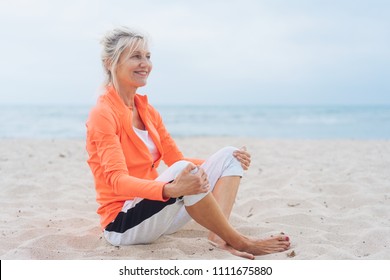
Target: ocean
x,y
269,122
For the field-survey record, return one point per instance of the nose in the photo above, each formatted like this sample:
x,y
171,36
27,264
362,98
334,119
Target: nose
x,y
145,62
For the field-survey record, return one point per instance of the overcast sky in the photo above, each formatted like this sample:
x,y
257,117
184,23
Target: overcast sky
x,y
204,52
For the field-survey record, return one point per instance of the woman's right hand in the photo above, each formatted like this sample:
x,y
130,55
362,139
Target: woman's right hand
x,y
188,182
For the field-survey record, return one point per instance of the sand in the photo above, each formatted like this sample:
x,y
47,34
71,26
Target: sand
x,y
332,197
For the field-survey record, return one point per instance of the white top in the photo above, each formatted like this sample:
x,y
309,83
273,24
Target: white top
x,y
145,137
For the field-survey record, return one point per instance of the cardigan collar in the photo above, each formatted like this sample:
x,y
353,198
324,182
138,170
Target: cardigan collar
x,y
125,112
141,101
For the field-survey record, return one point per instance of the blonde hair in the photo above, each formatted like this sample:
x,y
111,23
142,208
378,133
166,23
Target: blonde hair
x,y
115,42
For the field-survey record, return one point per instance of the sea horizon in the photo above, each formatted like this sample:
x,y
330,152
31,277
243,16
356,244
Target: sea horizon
x,y
366,122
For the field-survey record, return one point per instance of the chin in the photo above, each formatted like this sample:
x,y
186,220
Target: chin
x,y
139,84
143,84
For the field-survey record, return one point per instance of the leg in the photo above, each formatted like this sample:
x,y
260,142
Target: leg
x,y
225,188
225,192
208,214
142,221
224,173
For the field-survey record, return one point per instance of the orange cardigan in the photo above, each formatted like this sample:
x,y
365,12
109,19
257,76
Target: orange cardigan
x,y
122,165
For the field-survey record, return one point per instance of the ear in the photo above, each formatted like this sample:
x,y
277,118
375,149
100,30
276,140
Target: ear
x,y
107,64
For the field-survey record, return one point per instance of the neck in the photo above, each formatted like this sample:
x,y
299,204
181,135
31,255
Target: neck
x,y
127,95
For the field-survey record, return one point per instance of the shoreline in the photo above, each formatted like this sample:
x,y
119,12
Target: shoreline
x,y
322,193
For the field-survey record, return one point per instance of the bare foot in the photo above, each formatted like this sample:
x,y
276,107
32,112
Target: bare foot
x,y
222,245
253,247
274,244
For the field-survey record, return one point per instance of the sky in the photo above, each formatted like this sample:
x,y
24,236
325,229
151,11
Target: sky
x,y
271,52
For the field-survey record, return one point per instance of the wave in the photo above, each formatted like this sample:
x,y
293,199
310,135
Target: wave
x,y
315,122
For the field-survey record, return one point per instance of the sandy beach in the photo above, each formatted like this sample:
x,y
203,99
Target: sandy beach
x,y
332,197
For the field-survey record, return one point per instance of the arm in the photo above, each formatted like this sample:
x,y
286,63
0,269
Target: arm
x,y
107,159
190,181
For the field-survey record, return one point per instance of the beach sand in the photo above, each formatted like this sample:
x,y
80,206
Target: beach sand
x,y
331,197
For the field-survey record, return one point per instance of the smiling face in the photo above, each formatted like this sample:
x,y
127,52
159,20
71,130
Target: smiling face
x,y
134,67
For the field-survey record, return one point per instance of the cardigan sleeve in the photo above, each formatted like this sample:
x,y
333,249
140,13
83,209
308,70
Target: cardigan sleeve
x,y
107,159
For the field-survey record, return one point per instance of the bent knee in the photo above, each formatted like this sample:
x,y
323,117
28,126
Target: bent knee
x,y
227,151
181,164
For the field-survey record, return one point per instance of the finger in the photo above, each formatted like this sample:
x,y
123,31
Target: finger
x,y
201,171
243,157
242,154
192,168
244,160
206,188
245,164
246,154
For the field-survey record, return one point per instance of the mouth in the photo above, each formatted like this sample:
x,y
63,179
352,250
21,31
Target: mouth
x,y
141,73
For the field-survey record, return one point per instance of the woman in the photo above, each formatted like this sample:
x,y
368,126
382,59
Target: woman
x,y
126,140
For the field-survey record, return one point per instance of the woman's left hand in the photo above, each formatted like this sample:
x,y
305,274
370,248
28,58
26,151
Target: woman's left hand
x,y
243,157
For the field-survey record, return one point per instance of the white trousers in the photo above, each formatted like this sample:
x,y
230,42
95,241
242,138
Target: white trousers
x,y
142,221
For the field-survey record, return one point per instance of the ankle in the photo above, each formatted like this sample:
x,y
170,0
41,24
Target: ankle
x,y
212,237
240,243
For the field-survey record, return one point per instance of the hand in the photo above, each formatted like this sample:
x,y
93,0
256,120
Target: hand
x,y
188,183
243,157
